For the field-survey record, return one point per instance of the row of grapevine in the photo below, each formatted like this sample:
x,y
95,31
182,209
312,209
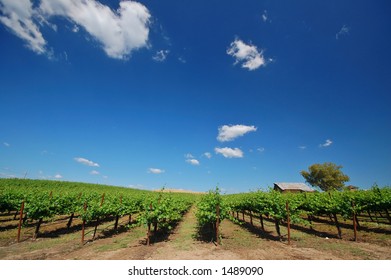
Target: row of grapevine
x,y
159,211
304,206
271,204
43,201
163,212
41,204
211,210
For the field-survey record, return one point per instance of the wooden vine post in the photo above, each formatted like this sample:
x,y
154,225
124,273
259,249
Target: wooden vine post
x,y
117,216
20,220
217,224
149,228
97,220
288,222
354,222
84,224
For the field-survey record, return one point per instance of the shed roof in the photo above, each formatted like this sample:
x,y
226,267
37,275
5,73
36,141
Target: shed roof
x,y
294,186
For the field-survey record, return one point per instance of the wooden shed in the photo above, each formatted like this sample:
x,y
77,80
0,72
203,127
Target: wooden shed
x,y
351,188
292,187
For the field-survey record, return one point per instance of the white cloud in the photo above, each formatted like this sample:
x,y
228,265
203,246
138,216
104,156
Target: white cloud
x,y
18,16
6,175
182,59
249,55
265,16
58,176
155,171
302,147
326,144
193,161
6,144
230,132
229,152
189,156
94,172
118,32
75,28
86,162
161,55
261,149
342,32
208,155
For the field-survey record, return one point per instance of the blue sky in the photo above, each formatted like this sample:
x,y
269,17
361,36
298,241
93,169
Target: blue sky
x,y
194,94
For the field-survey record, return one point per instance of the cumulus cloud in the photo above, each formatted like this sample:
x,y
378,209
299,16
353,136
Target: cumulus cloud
x,y
326,144
118,32
155,171
58,176
302,147
208,155
193,161
342,32
18,16
229,152
94,172
230,132
161,55
86,162
247,54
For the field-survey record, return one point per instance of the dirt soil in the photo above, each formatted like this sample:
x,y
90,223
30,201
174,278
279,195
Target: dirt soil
x,y
238,242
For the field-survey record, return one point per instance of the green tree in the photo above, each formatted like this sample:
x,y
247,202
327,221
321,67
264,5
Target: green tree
x,y
327,176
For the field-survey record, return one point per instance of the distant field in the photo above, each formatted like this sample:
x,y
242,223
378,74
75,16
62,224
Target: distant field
x,y
178,191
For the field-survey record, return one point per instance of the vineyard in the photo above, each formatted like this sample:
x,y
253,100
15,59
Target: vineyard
x,y
45,200
78,217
